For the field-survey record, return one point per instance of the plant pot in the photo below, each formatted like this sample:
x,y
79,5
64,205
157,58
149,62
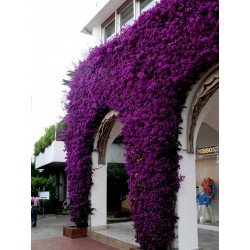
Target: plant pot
x,y
74,232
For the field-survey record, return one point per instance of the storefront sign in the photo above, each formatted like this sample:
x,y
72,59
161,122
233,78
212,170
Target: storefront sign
x,y
208,150
44,195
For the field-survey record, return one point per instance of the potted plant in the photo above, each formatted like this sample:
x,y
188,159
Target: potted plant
x,y
77,231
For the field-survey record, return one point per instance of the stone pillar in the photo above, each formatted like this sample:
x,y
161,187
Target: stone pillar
x,y
108,131
99,194
187,208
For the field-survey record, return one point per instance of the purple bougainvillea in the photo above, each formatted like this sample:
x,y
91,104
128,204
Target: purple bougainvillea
x,y
144,74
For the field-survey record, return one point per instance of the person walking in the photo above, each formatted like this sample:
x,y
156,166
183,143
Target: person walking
x,y
35,205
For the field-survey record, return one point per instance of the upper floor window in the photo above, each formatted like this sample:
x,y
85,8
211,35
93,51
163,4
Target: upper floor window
x,y
124,16
127,16
146,5
109,31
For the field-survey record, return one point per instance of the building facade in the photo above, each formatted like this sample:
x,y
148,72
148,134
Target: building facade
x,y
154,78
200,129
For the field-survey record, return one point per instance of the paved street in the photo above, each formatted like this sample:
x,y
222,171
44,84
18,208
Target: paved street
x,y
48,235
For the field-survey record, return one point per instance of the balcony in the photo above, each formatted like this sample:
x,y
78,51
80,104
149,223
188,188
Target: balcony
x,y
53,156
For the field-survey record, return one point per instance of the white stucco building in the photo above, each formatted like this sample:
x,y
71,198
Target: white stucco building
x,y
52,162
200,130
199,138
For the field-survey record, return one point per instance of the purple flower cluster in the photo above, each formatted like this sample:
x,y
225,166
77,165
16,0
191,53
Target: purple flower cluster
x,y
144,74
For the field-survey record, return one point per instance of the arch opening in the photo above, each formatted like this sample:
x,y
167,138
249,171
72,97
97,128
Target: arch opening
x,y
200,129
106,154
207,163
118,208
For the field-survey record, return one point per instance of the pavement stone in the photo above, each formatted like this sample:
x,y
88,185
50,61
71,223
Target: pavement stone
x,y
65,243
48,235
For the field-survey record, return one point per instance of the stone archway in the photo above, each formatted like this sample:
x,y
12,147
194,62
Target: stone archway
x,y
199,103
109,129
205,91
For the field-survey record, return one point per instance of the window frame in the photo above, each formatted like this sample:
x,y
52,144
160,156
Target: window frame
x,y
116,16
139,6
107,23
122,8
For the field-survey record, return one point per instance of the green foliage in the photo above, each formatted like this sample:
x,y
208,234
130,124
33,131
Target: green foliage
x,y
49,137
48,184
60,128
45,140
117,185
34,172
40,183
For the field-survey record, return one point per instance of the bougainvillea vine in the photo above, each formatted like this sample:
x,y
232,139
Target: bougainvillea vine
x,y
144,74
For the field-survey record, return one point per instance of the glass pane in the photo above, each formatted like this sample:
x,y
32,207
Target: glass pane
x,y
127,16
109,31
146,5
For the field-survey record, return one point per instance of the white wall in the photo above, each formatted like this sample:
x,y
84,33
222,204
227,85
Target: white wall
x,y
98,194
186,197
116,153
186,207
96,36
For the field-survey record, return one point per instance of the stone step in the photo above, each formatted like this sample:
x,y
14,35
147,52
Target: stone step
x,y
111,241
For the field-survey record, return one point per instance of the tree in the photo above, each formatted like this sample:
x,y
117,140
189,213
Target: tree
x,y
117,186
34,171
54,132
45,140
38,184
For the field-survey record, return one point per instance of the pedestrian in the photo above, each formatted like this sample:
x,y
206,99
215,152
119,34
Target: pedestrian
x,y
35,205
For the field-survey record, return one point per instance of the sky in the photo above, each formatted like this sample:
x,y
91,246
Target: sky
x,y
57,43
40,40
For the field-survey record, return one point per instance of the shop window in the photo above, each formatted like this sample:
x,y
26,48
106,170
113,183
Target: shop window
x,y
146,5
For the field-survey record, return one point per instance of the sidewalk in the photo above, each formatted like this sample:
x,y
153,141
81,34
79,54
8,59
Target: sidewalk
x,y
48,235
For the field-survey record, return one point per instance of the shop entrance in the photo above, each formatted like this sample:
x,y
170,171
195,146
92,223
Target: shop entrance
x,y
108,157
207,175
